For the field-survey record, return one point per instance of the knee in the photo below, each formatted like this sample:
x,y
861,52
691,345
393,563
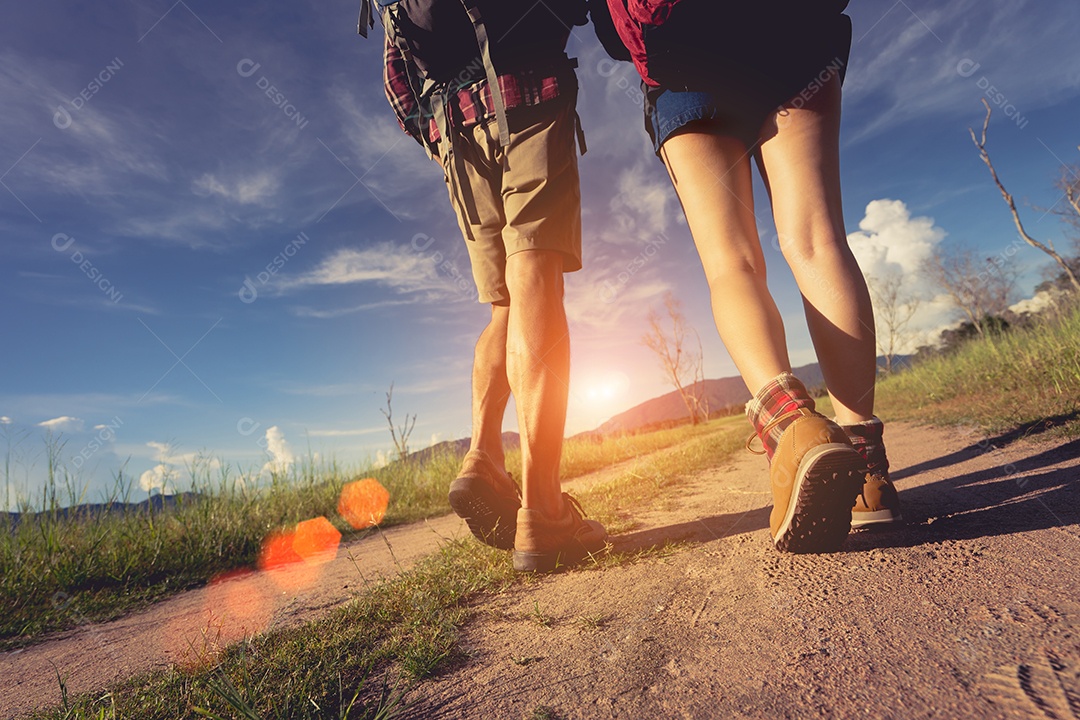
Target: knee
x,y
536,274
734,274
812,246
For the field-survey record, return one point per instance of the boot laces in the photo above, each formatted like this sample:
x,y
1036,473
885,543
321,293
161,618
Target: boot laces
x,y
802,412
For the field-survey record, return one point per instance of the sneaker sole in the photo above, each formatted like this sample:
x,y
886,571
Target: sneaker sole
x,y
490,517
818,518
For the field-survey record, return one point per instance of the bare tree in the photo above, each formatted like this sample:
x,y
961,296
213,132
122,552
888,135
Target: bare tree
x,y
1070,186
400,435
979,289
893,309
681,365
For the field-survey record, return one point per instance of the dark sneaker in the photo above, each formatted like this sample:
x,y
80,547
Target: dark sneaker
x,y
877,504
487,499
544,545
815,476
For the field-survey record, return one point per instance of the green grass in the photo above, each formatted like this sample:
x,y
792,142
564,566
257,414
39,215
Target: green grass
x,y
399,630
1021,379
58,572
371,650
403,629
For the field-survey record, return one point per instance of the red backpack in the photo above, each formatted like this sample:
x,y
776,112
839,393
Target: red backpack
x,y
669,40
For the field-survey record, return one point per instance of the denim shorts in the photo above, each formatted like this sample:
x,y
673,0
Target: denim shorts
x,y
669,110
737,85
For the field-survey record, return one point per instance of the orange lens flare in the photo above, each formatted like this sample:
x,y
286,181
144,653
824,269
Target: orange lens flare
x,y
277,551
363,503
293,558
314,540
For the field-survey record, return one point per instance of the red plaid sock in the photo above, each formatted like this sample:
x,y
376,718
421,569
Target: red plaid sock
x,y
782,394
867,439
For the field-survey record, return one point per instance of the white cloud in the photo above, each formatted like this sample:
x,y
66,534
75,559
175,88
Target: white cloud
x,y
397,266
381,459
162,477
96,152
645,206
394,170
891,242
257,189
190,227
609,302
345,433
303,311
906,59
281,455
5,420
156,478
64,423
1041,301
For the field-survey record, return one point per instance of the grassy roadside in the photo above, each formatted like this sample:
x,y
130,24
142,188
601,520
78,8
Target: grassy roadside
x,y
1021,380
399,630
403,629
57,572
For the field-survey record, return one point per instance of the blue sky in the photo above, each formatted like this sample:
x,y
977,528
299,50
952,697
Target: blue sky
x,y
215,238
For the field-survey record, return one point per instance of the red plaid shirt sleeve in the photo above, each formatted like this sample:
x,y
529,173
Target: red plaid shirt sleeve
x,y
399,92
472,104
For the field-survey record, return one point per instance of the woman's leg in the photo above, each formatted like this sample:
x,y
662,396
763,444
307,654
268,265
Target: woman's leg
x,y
800,162
711,175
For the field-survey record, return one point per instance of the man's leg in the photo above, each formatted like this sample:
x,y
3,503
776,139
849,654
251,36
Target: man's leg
x,y
490,388
551,532
483,494
538,370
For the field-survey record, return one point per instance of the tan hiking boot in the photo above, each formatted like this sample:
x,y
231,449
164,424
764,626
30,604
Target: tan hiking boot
x,y
545,545
877,504
486,497
815,475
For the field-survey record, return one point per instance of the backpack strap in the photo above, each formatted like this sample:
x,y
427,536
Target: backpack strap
x,y
453,167
366,19
484,43
572,80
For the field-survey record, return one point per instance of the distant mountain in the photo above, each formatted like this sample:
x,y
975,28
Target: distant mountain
x,y
720,394
723,393
156,502
460,446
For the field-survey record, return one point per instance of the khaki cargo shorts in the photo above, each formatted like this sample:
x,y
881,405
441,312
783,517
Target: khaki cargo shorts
x,y
526,196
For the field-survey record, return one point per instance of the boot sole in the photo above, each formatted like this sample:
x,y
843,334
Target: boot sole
x,y
549,562
875,517
818,518
490,516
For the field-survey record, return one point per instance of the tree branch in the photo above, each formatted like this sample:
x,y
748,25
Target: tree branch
x,y
980,143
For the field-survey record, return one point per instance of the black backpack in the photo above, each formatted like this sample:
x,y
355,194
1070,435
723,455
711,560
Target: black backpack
x,y
449,44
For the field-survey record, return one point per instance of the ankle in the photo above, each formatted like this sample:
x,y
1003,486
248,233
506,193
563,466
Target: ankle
x,y
868,439
775,406
490,451
550,510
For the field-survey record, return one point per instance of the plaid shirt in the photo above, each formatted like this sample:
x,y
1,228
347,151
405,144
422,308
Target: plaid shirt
x,y
472,103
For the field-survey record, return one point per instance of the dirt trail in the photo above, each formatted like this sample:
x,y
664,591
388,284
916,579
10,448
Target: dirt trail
x,y
970,610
